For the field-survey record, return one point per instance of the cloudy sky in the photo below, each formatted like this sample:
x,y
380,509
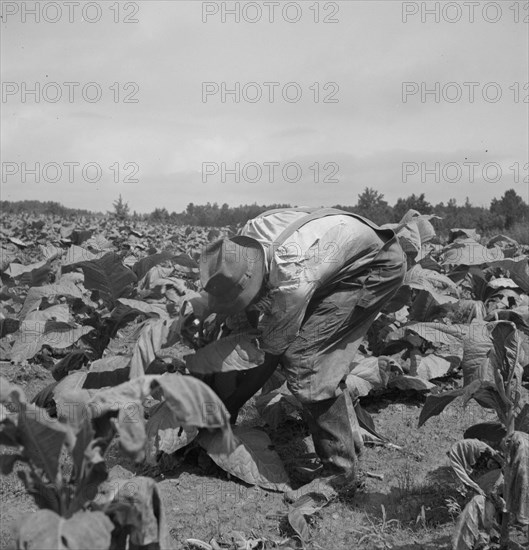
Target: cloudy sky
x,y
339,120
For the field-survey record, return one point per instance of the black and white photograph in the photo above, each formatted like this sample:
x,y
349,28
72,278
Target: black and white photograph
x,y
264,275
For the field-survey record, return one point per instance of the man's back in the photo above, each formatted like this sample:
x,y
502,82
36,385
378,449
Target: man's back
x,y
311,256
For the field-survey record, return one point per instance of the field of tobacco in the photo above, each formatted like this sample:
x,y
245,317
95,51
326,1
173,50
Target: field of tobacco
x,y
110,438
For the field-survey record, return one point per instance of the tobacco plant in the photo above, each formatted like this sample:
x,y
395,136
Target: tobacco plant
x,y
493,459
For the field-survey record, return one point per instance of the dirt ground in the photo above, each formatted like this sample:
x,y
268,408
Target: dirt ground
x,y
413,507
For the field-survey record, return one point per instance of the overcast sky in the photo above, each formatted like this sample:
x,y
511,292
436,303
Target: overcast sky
x,y
362,139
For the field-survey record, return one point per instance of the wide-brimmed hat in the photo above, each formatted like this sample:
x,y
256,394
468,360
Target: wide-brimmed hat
x,y
232,272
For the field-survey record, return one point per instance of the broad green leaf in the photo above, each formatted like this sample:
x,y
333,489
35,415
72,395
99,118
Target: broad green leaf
x,y
71,399
504,241
270,408
79,236
109,371
427,279
518,315
75,360
164,434
469,252
299,524
442,336
75,255
7,463
487,396
185,261
463,456
474,524
310,503
459,233
11,392
42,443
92,473
276,405
476,346
46,530
124,404
489,432
152,339
98,243
406,382
16,271
436,403
414,229
160,310
233,353
6,257
59,312
44,493
505,358
491,482
108,276
4,413
307,505
148,526
518,269
502,282
36,294
141,267
367,425
131,430
432,366
109,400
18,242
253,460
84,437
429,305
51,252
192,403
32,335
517,486
368,374
521,422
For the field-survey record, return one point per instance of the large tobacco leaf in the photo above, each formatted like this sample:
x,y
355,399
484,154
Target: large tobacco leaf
x,y
108,276
252,461
46,530
474,525
233,353
464,455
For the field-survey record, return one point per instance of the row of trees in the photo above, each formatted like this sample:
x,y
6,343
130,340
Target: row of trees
x,y
211,214
41,208
503,213
508,212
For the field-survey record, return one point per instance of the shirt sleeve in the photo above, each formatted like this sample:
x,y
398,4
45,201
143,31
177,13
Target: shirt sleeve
x,y
297,269
280,326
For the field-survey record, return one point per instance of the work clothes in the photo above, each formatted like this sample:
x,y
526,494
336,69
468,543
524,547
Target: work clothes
x,y
329,273
327,282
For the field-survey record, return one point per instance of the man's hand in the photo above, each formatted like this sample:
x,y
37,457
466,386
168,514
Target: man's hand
x,y
193,313
191,330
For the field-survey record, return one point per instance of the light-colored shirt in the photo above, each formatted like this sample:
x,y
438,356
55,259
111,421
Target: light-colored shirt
x,y
310,257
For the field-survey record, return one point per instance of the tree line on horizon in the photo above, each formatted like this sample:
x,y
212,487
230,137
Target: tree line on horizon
x,y
508,212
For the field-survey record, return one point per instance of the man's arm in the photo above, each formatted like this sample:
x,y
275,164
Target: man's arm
x,y
249,382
